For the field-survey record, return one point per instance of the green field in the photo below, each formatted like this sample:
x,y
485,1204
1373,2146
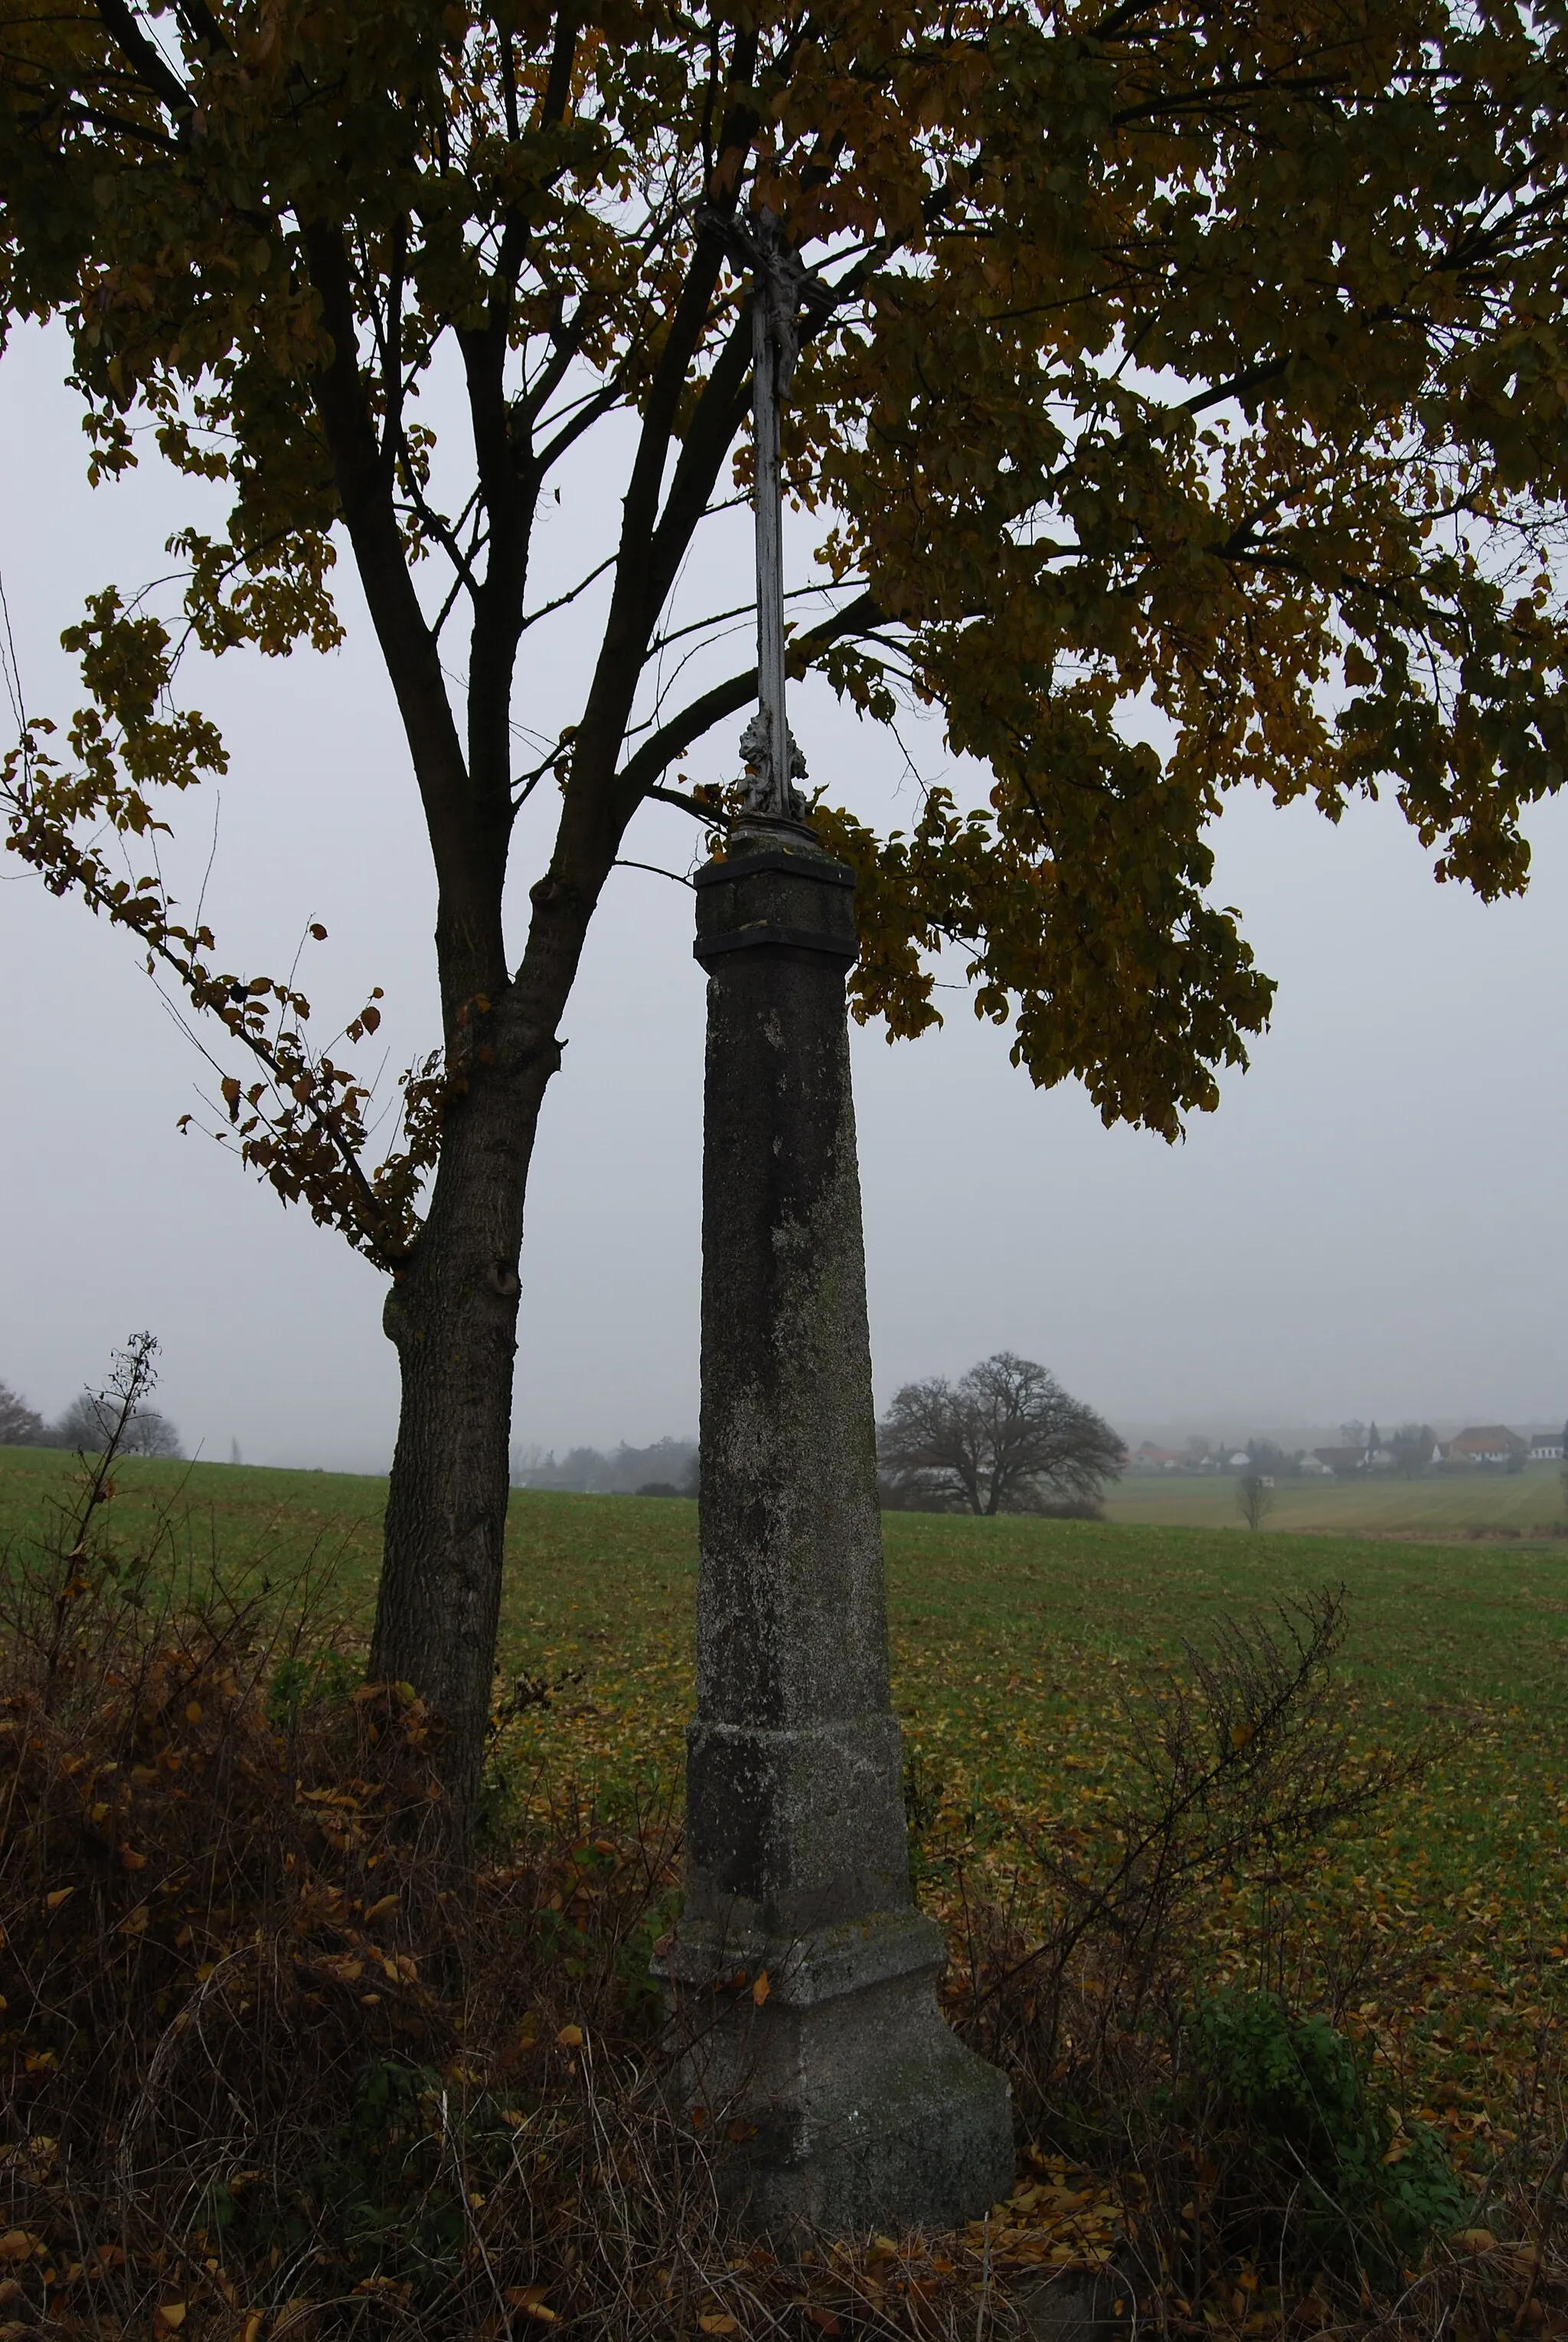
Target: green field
x,y
1017,1645
1520,1504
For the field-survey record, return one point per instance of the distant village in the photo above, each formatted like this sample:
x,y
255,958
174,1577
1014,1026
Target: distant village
x,y
1413,1450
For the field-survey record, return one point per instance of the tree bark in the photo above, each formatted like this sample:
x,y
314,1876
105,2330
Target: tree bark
x,y
451,1316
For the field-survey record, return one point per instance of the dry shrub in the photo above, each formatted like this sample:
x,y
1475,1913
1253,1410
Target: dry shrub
x,y
1237,1761
258,2051
1262,2189
269,2073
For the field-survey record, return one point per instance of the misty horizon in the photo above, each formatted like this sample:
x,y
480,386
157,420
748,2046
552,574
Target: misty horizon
x,y
1373,1209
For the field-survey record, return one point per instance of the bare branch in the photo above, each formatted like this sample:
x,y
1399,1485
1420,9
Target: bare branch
x,y
670,740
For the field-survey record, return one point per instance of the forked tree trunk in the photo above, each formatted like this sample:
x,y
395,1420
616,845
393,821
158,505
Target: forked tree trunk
x,y
452,1316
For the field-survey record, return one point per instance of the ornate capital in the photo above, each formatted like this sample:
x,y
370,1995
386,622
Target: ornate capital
x,y
756,784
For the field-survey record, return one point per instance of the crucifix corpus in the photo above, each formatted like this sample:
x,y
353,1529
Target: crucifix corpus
x,y
801,1980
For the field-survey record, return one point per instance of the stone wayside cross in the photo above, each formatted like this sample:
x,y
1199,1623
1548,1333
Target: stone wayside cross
x,y
801,1980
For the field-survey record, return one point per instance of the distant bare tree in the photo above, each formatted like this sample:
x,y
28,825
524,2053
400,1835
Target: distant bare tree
x,y
1255,1498
20,1425
90,1420
1005,1438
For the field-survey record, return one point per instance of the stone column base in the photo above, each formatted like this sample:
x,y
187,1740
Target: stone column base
x,y
839,2101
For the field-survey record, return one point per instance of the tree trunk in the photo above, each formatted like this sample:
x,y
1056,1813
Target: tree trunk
x,y
451,1316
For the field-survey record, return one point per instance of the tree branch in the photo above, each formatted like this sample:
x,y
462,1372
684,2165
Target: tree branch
x,y
119,20
470,918
1253,378
659,751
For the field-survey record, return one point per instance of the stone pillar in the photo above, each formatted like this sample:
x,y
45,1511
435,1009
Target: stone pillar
x,y
867,2111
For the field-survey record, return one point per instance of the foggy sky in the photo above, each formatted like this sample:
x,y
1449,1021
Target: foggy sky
x,y
1370,1226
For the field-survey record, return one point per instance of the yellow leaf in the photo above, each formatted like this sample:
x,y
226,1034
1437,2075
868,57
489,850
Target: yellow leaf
x,y
570,2037
16,2245
761,1989
132,1859
53,1902
1475,2240
171,2316
194,1711
383,1910
719,2323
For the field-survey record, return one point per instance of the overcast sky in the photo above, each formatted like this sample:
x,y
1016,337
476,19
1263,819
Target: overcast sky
x,y
1371,1225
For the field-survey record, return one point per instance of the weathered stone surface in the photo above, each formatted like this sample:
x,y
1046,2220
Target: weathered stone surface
x,y
866,2110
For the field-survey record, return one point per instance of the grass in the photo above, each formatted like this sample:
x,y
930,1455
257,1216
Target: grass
x,y
1522,1503
1016,1646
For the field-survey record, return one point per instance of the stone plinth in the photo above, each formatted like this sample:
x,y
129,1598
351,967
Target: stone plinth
x,y
866,2111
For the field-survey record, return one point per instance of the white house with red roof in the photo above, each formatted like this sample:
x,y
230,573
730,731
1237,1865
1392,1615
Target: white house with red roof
x,y
1485,1442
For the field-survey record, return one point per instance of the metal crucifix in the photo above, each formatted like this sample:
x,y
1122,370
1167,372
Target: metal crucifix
x,y
780,280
